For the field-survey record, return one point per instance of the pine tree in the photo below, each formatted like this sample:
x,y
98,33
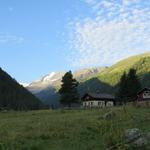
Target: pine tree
x,y
68,90
133,85
122,92
129,86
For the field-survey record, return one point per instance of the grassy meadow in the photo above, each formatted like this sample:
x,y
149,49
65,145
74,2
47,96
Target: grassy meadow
x,y
70,129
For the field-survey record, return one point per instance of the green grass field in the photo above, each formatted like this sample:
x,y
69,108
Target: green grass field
x,y
69,129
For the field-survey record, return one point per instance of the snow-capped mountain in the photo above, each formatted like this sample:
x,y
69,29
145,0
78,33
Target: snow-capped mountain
x,y
46,87
24,84
50,80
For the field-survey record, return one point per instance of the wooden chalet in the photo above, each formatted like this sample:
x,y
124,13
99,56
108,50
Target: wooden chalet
x,y
98,100
143,96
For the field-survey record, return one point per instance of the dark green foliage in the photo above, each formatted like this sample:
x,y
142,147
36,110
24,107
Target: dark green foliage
x,y
133,84
129,86
122,91
95,85
14,96
68,90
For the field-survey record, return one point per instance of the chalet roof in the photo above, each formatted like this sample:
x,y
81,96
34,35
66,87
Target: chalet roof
x,y
145,89
98,96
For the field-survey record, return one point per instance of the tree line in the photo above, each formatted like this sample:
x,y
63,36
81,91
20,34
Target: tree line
x,y
128,88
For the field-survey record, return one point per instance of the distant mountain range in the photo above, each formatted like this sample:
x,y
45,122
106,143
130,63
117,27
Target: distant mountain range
x,y
46,88
100,79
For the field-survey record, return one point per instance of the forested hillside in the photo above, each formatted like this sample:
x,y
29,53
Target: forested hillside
x,y
14,96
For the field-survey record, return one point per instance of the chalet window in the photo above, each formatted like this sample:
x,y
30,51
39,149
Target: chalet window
x,y
91,103
146,95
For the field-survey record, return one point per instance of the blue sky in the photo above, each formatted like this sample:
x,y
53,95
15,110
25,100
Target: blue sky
x,y
40,36
34,32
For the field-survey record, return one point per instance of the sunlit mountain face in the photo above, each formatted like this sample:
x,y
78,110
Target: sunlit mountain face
x,y
54,79
46,87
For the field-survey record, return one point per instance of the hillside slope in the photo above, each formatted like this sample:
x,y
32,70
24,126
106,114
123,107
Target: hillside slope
x,y
107,80
15,96
103,80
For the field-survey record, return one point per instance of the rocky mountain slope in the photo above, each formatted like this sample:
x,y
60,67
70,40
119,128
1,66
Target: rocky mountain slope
x,y
46,87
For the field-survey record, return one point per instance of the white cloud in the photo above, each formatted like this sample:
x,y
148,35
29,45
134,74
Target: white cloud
x,y
118,30
129,2
7,38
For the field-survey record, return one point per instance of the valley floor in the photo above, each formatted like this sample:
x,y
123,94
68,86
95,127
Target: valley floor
x,y
70,129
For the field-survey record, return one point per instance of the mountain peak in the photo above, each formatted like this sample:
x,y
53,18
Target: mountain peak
x,y
53,79
24,84
48,77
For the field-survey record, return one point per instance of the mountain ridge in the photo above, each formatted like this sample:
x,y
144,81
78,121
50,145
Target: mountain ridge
x,y
15,96
53,81
102,79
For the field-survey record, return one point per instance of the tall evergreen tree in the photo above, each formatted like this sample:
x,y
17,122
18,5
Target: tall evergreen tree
x,y
68,90
122,91
129,86
133,84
